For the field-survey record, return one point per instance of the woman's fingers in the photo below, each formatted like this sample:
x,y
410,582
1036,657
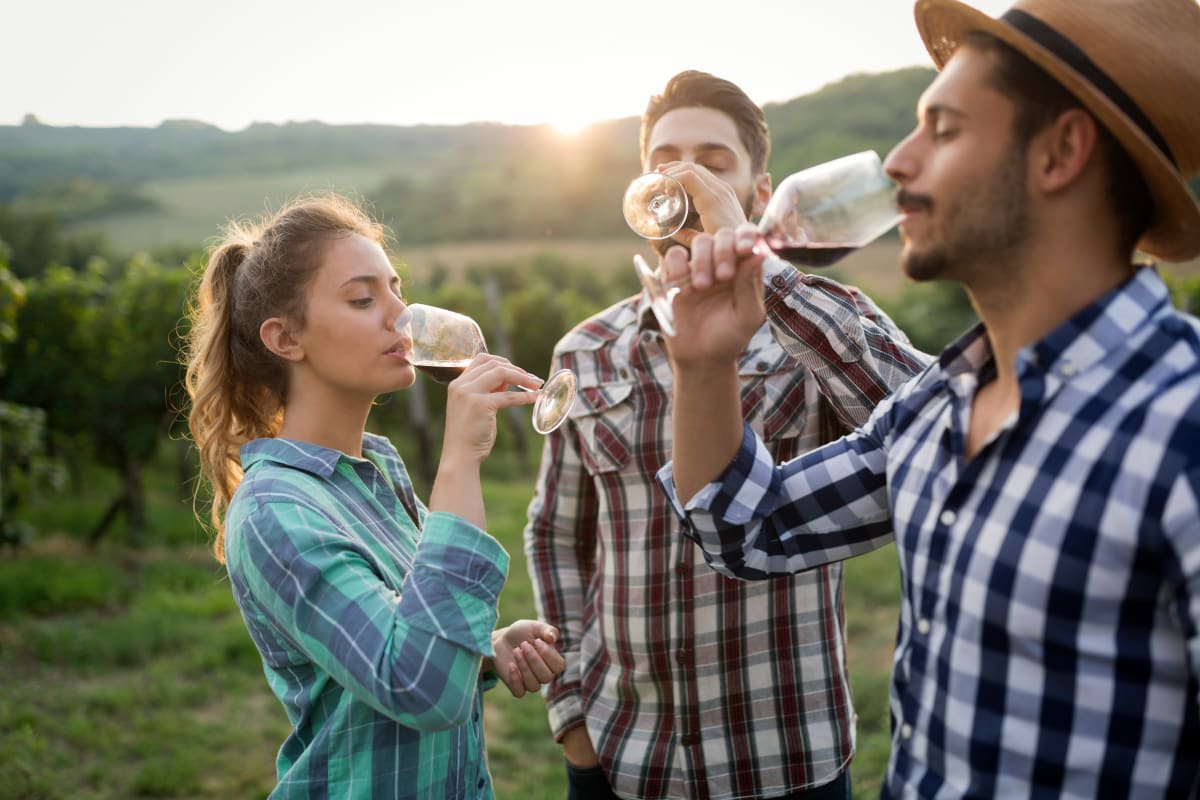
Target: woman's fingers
x,y
534,669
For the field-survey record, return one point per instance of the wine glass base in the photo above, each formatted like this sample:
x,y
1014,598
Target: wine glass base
x,y
554,402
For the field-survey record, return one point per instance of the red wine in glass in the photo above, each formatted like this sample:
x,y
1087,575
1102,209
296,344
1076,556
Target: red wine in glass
x,y
813,254
442,371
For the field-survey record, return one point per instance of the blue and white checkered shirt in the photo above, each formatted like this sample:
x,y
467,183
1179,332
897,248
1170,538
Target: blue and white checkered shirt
x,y
1049,639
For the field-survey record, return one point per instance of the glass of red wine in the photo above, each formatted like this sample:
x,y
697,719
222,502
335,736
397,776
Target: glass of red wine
x,y
815,218
444,342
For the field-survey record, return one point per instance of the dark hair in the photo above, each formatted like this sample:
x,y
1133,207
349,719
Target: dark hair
x,y
1040,100
237,387
692,88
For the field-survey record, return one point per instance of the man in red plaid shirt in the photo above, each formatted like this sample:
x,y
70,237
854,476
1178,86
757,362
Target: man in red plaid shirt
x,y
679,682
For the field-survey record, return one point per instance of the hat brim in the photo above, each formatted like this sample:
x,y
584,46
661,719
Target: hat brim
x,y
1174,232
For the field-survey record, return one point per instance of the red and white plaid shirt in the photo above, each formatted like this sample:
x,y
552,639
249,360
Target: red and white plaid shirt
x,y
693,685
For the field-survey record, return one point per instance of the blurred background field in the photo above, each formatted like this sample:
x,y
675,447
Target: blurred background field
x,y
126,669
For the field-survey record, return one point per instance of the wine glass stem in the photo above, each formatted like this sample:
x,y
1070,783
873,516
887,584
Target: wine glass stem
x,y
682,282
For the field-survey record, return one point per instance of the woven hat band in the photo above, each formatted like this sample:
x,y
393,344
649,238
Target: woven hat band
x,y
1073,56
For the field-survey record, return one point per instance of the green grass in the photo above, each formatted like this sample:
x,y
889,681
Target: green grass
x,y
128,672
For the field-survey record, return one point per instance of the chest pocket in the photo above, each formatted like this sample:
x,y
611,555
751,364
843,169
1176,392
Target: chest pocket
x,y
604,418
775,398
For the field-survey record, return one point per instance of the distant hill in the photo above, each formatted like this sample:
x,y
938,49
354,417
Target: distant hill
x,y
178,181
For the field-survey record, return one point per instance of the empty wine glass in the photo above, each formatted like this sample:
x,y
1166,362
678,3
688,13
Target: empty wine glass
x,y
814,218
655,205
444,342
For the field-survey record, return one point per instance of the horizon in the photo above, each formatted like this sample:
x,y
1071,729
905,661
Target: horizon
x,y
36,121
139,64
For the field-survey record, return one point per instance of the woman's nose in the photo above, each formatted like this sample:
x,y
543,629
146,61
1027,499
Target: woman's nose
x,y
403,319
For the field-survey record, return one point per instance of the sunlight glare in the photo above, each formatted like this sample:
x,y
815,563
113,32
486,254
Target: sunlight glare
x,y
570,125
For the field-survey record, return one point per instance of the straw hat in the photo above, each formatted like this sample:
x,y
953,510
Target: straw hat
x,y
1134,64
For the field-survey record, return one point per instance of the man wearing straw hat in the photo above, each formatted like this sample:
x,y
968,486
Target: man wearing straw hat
x,y
1043,476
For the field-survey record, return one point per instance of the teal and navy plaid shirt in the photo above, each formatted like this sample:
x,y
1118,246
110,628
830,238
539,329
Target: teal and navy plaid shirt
x,y
372,616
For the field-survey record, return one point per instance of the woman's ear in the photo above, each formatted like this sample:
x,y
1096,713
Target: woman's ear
x,y
277,337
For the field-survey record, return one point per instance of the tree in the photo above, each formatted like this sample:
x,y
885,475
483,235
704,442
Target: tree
x,y
25,467
97,353
136,377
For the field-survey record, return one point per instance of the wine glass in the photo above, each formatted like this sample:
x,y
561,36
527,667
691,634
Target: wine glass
x,y
814,218
655,205
444,342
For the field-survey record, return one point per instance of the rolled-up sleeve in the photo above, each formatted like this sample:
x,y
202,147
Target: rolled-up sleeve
x,y
412,654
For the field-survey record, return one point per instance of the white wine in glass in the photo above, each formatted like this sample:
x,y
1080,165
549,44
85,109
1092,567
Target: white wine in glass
x,y
814,218
444,342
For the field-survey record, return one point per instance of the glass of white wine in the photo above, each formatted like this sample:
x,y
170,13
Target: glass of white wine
x,y
444,342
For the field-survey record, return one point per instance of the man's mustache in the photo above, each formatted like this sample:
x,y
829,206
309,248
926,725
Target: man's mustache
x,y
909,201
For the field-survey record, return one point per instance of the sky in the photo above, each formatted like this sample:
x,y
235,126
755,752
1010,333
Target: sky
x,y
566,63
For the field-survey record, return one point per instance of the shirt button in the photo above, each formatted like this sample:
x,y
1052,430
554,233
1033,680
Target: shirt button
x,y
923,626
906,731
1068,369
948,517
778,281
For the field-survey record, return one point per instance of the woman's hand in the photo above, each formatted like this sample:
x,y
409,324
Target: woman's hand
x,y
526,658
472,400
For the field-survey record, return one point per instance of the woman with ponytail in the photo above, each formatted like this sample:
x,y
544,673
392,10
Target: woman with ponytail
x,y
374,614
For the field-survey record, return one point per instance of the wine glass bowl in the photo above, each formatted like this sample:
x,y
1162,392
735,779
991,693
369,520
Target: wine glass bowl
x,y
655,206
444,342
819,215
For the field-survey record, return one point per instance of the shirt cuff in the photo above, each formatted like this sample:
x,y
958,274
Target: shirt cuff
x,y
565,713
458,574
816,313
751,473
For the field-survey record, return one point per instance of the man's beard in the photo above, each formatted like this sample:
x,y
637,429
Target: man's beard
x,y
985,224
661,246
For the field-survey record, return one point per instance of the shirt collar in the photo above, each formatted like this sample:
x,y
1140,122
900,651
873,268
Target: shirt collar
x,y
1079,343
1103,327
320,461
